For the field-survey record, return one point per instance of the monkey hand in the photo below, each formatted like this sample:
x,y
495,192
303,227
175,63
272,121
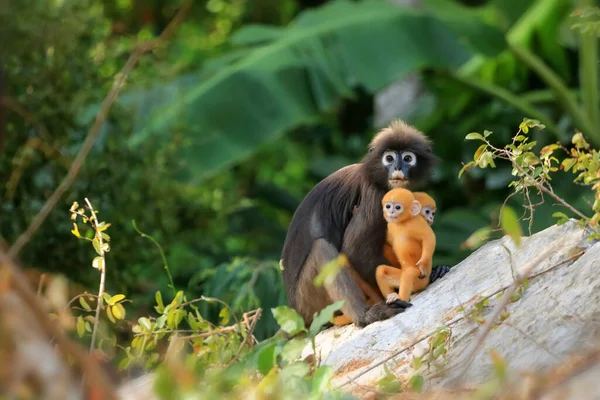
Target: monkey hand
x,y
422,274
438,272
382,311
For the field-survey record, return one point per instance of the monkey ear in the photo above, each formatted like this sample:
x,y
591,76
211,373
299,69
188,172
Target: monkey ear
x,y
415,208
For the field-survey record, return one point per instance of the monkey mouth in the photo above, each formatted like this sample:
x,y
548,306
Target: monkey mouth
x,y
397,183
389,218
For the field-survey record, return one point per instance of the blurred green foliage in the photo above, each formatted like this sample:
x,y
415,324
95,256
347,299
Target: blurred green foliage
x,y
219,135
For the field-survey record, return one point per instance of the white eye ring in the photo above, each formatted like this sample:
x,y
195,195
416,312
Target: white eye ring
x,y
386,160
408,157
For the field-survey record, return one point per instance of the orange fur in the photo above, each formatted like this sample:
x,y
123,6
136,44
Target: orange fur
x,y
413,243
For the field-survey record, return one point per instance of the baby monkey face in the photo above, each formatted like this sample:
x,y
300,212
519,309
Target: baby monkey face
x,y
392,210
429,214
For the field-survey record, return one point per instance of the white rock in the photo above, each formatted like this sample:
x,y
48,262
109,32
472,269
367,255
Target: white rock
x,y
557,315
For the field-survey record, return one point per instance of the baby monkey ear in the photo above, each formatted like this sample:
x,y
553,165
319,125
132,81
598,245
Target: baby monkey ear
x,y
415,208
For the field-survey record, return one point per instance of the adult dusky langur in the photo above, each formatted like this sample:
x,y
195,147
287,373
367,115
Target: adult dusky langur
x,y
323,225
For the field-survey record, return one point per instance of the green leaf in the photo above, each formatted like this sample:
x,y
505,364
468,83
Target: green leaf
x,y
80,326
416,382
255,34
330,270
465,167
160,307
266,358
510,224
477,238
499,364
293,349
84,304
224,315
110,314
118,311
145,323
474,136
298,75
75,230
96,244
288,319
321,378
115,299
102,226
98,263
324,316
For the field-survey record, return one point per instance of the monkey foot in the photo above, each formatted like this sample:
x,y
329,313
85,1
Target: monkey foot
x,y
393,300
438,272
392,297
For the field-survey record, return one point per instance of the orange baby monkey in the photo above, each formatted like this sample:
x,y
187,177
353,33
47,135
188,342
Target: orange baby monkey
x,y
427,211
413,244
428,206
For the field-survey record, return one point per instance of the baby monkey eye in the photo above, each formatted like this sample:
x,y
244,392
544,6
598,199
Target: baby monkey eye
x,y
388,206
398,207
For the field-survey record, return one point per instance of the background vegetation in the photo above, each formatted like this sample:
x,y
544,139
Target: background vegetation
x,y
218,136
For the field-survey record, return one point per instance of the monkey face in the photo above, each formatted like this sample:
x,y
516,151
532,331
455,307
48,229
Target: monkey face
x,y
397,164
399,204
429,213
399,157
392,210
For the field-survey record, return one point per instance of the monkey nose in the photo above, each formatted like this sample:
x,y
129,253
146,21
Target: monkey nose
x,y
398,174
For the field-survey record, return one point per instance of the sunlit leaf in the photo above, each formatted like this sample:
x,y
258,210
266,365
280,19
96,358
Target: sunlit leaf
x,y
80,326
118,311
98,263
224,315
84,304
330,270
416,382
321,378
75,230
96,244
145,323
474,136
293,349
324,316
499,364
510,224
288,319
116,298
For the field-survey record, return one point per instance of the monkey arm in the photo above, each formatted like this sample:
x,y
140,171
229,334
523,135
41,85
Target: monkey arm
x,y
427,250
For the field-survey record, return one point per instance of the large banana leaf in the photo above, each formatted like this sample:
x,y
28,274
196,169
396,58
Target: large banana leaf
x,y
286,77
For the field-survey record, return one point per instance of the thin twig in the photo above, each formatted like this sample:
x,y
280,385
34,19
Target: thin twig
x,y
94,222
548,191
207,334
210,300
162,255
249,333
94,131
88,364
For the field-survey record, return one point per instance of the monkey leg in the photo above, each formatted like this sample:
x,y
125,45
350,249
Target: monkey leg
x,y
341,320
387,278
407,279
373,294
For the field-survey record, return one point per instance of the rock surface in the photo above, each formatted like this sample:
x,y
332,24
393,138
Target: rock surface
x,y
556,315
